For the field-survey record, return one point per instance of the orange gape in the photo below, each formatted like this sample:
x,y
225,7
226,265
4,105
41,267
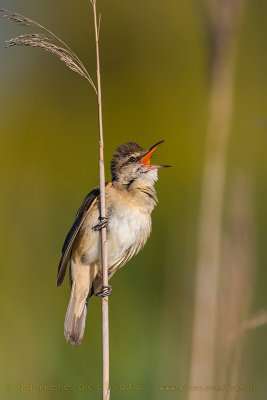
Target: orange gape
x,y
146,159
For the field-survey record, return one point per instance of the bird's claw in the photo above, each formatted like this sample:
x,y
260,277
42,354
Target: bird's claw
x,y
104,291
103,223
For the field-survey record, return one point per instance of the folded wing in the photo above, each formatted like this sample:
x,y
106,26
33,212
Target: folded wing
x,y
83,211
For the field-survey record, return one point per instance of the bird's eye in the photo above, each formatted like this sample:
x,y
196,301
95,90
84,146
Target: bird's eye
x,y
132,159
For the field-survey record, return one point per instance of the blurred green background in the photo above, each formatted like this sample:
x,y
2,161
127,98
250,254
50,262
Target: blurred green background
x,y
155,78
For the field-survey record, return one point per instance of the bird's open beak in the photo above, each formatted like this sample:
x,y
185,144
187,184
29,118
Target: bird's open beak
x,y
146,158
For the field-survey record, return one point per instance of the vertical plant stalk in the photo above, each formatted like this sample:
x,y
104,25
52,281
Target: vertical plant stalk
x,y
105,321
212,196
236,278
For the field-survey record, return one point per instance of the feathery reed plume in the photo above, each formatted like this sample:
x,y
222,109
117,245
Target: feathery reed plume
x,y
20,19
45,42
40,41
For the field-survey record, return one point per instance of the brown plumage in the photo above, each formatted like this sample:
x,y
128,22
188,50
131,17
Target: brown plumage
x,y
130,199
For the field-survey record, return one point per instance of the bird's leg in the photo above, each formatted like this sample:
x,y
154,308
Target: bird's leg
x,y
103,223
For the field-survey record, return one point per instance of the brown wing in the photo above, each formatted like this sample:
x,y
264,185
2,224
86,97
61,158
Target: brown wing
x,y
70,238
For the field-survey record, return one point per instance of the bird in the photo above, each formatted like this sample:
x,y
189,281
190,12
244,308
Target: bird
x,y
130,199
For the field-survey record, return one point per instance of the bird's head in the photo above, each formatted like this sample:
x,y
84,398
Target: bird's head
x,y
131,163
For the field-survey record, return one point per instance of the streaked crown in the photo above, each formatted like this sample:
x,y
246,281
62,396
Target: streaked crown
x,y
126,156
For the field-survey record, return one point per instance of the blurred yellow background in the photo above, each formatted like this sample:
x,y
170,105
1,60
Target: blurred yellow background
x,y
155,82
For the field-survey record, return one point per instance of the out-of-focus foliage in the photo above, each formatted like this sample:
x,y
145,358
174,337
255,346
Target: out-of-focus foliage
x,y
155,71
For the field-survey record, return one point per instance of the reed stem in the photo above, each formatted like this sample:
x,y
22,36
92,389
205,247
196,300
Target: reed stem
x,y
105,321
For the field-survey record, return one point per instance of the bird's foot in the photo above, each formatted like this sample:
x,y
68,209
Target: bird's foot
x,y
104,291
103,223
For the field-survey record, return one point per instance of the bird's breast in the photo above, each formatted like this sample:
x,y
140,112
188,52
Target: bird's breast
x,y
128,229
128,226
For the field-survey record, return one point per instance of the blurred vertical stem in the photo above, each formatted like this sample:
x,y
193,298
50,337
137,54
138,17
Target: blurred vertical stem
x,y
224,17
236,280
105,322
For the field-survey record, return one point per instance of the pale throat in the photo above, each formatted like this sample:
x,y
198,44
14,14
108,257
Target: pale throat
x,y
144,179
144,187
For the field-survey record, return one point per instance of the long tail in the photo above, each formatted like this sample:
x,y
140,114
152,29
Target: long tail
x,y
75,317
77,309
